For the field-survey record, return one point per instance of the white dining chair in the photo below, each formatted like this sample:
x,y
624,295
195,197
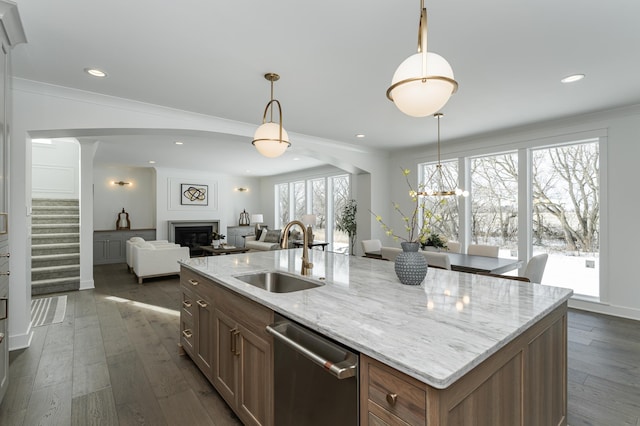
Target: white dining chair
x,y
437,260
371,248
483,250
535,268
453,246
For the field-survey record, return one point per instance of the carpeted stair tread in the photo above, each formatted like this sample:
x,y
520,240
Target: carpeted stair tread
x,y
54,202
58,256
56,268
55,285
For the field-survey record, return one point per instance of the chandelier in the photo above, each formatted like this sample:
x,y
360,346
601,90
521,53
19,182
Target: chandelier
x,y
271,139
441,184
424,82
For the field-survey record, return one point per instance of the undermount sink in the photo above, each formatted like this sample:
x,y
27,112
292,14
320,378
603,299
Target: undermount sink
x,y
278,282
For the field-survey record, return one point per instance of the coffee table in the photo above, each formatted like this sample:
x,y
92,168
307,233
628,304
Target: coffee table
x,y
223,250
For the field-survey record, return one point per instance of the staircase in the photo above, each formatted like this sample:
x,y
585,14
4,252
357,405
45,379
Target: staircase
x,y
55,246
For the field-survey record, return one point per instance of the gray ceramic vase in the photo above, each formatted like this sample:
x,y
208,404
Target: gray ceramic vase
x,y
411,265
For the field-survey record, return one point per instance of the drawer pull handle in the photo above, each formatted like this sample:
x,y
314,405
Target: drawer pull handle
x,y
193,282
187,333
5,273
392,398
202,303
235,345
5,254
232,342
186,304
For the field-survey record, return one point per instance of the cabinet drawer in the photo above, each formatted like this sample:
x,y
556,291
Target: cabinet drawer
x,y
187,332
201,287
395,393
188,302
247,312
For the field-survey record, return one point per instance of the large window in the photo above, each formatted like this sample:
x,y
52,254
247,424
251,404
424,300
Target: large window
x,y
340,189
566,214
562,187
319,196
494,203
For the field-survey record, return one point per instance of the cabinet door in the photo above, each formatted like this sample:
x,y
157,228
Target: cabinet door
x,y
114,249
225,365
255,391
99,252
203,318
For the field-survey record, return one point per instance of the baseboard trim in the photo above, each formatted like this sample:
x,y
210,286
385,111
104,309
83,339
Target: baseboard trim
x,y
603,308
87,285
21,341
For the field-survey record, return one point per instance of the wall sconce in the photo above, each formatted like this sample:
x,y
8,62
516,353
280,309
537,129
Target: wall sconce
x,y
121,183
242,189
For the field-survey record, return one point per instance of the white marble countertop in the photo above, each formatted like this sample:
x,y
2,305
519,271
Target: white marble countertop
x,y
435,332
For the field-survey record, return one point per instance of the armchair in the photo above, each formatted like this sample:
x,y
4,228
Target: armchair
x,y
155,261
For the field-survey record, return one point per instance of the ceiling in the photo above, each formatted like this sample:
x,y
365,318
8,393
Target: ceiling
x,y
336,59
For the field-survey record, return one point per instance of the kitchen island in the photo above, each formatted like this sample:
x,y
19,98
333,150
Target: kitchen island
x,y
459,345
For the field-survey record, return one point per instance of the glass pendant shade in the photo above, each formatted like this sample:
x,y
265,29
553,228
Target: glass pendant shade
x,y
419,95
267,140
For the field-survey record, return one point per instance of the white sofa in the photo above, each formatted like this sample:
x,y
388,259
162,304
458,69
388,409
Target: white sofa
x,y
155,261
136,240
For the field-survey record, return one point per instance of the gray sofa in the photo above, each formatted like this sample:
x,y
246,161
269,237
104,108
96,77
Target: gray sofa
x,y
251,243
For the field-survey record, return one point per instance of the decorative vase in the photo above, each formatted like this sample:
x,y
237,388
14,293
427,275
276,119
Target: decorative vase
x,y
410,265
215,243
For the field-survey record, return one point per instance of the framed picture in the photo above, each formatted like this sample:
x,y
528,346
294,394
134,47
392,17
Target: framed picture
x,y
194,195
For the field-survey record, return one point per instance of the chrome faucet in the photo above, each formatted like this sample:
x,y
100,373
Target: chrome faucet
x,y
306,265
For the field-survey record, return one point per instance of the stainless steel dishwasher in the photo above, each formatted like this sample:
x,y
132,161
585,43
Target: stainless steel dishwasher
x,y
316,379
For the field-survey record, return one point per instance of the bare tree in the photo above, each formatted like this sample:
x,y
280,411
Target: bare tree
x,y
569,192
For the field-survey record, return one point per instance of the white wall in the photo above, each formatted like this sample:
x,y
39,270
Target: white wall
x,y
620,293
56,169
42,110
138,198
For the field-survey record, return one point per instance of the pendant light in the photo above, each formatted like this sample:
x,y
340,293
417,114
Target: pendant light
x,y
271,139
439,184
424,82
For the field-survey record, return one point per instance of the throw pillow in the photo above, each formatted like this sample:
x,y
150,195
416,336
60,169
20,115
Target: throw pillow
x,y
273,236
263,234
136,239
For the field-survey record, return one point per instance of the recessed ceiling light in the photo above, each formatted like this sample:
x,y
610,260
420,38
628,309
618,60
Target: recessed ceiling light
x,y
179,143
296,159
572,78
152,162
95,72
359,136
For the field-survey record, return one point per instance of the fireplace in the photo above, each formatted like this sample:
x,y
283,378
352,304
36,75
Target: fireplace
x,y
192,234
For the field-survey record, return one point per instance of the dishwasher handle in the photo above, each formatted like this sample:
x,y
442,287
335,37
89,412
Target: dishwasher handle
x,y
341,369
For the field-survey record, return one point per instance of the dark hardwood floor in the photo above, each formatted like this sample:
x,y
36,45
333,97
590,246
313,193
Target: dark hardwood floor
x,y
114,360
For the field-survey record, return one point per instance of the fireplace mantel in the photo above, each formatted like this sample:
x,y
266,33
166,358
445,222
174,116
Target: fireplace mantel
x,y
186,223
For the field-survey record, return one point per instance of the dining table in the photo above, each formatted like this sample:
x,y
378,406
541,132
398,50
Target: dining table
x,y
482,264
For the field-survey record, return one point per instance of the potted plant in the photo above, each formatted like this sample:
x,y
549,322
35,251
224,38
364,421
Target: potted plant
x,y
216,237
346,222
434,240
